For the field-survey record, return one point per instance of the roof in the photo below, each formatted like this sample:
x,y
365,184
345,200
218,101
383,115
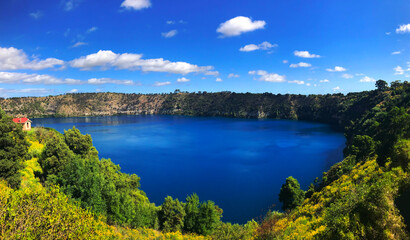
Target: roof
x,y
20,120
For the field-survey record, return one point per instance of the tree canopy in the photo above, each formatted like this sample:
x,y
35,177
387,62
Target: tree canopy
x,y
290,194
13,150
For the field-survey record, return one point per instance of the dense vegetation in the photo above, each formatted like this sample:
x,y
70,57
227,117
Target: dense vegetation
x,y
56,186
355,199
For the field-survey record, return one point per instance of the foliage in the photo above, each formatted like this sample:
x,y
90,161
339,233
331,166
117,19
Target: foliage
x,y
192,212
55,156
201,218
228,231
48,214
78,143
70,161
355,198
290,194
362,147
13,150
171,216
357,205
381,85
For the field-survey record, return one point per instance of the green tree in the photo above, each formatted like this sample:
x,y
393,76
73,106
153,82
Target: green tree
x,y
55,157
381,85
13,150
192,213
201,218
82,180
208,218
363,147
310,191
401,154
395,84
77,142
171,216
290,194
394,126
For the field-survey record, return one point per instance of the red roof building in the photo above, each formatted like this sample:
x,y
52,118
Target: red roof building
x,y
25,122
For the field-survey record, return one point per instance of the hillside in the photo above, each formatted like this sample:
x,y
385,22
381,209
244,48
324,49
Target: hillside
x,y
335,109
362,197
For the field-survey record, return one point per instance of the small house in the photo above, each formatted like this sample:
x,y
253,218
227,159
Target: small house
x,y
25,122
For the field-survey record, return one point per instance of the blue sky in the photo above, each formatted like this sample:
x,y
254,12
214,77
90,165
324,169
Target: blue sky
x,y
151,46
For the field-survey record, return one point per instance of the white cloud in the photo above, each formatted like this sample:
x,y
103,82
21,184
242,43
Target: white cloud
x,y
305,54
249,48
78,44
159,84
396,52
212,73
359,74
218,80
169,34
301,64
336,89
233,75
130,61
346,75
36,15
24,78
297,82
388,33
285,61
399,70
252,47
336,69
238,25
405,28
98,81
268,77
26,91
367,79
169,22
308,84
73,90
100,59
92,29
324,81
136,4
183,79
14,59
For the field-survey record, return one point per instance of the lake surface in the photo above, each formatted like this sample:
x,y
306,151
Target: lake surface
x,y
240,164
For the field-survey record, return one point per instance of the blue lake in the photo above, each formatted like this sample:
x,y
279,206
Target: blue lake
x,y
240,164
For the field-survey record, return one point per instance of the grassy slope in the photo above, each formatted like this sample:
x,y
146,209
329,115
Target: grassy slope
x,y
355,206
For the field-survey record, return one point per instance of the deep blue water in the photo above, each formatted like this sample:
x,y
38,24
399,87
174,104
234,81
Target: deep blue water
x,y
240,164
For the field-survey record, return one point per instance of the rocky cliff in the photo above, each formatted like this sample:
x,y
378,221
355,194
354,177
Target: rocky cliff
x,y
323,108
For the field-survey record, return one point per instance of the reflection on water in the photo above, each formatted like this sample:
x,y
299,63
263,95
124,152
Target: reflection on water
x,y
238,163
